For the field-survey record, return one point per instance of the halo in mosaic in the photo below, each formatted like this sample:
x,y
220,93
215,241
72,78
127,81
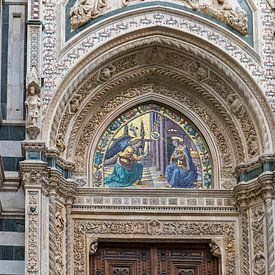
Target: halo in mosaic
x,y
152,146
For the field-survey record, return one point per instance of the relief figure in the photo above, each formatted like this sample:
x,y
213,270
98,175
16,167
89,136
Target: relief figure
x,y
84,10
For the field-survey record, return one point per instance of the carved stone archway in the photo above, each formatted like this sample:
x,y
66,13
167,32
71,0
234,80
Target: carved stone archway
x,y
200,81
240,85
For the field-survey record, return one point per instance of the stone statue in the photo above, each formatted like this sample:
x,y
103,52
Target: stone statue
x,y
84,10
33,104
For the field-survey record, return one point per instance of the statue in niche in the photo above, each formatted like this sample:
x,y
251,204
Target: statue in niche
x,y
33,104
84,10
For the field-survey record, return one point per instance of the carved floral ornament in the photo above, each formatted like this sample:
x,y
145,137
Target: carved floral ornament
x,y
148,91
174,65
92,83
198,73
227,11
224,231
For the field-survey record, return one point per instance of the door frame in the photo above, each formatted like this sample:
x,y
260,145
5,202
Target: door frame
x,y
88,232
153,245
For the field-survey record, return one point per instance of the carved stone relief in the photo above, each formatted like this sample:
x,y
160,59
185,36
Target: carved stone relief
x,y
258,235
122,97
226,11
84,10
241,88
32,260
198,72
57,237
153,229
233,102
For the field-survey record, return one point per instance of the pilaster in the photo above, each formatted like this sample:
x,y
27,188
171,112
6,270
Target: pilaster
x,y
34,176
254,200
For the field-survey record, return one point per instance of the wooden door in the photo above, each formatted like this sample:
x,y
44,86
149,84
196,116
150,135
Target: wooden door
x,y
153,259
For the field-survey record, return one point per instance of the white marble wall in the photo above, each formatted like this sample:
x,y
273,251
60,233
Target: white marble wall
x,y
15,81
10,148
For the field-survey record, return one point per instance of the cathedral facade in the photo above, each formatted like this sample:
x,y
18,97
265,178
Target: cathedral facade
x,y
137,137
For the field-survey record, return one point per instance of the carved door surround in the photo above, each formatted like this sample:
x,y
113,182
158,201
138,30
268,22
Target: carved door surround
x,y
220,236
125,258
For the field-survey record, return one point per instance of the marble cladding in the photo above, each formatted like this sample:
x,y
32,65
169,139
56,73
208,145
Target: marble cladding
x,y
16,51
155,201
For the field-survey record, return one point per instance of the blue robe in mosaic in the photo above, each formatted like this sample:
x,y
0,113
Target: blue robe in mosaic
x,y
180,176
127,170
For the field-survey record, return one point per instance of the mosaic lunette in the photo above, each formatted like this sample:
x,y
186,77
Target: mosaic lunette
x,y
152,146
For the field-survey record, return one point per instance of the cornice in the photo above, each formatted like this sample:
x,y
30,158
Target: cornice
x,y
260,188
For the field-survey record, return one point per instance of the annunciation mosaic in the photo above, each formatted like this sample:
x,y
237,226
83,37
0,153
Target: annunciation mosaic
x,y
152,146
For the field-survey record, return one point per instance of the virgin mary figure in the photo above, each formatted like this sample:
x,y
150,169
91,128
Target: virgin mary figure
x,y
127,169
181,172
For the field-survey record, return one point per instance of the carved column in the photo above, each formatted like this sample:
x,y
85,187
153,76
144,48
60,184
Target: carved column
x,y
69,238
245,241
267,187
254,200
60,235
34,176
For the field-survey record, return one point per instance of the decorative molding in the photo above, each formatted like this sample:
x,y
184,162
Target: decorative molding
x,y
216,83
32,216
234,101
270,234
247,194
245,242
34,9
100,229
259,261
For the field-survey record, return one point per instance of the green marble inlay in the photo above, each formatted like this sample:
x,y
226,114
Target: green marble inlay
x,y
252,174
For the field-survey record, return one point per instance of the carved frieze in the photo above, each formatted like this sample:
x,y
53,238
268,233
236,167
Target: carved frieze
x,y
152,229
226,11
